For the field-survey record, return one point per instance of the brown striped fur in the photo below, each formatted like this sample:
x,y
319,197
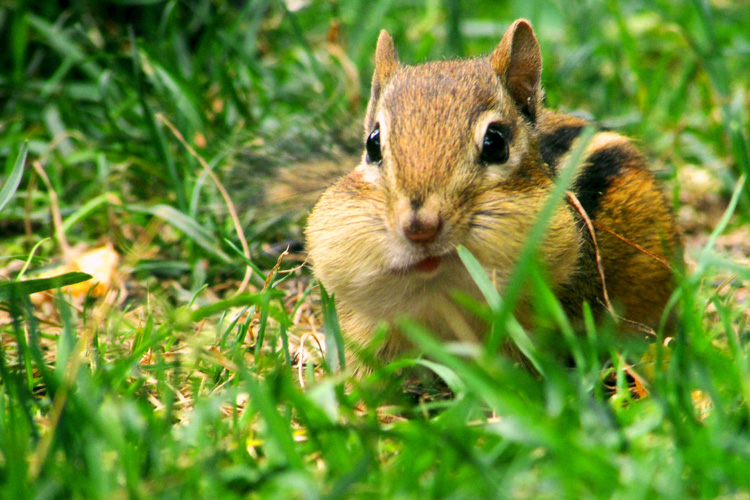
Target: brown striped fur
x,y
375,235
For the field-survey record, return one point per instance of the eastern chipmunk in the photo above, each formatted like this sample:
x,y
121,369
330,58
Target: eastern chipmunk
x,y
463,153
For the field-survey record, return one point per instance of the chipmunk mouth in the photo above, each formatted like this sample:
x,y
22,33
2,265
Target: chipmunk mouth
x,y
428,265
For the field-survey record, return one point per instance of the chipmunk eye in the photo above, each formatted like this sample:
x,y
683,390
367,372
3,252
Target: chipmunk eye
x,y
495,144
372,146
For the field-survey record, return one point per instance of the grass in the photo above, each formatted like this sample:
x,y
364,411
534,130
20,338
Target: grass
x,y
172,386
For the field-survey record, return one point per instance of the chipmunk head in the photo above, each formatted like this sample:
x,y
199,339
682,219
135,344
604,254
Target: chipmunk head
x,y
450,159
440,134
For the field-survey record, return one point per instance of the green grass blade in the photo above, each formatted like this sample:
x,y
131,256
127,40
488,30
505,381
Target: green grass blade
x,y
280,446
19,37
64,45
21,288
492,296
536,234
29,258
334,357
88,208
720,227
14,179
186,224
156,132
480,277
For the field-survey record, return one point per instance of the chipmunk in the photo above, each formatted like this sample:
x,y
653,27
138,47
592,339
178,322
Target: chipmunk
x,y
462,152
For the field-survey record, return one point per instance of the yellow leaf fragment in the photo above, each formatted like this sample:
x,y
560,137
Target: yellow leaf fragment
x,y
100,263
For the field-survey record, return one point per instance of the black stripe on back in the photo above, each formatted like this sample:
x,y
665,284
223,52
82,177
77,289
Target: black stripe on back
x,y
554,144
601,168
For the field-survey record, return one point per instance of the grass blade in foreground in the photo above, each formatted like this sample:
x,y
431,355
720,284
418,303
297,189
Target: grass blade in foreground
x,y
14,179
492,296
334,358
20,288
536,233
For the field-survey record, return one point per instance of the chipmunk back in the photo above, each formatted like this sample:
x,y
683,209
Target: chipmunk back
x,y
463,153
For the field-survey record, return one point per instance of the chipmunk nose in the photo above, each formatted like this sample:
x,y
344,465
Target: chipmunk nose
x,y
418,218
422,229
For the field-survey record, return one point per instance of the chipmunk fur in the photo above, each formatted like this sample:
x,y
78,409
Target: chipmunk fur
x,y
462,152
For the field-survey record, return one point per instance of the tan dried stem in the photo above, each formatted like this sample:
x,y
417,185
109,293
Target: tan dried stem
x,y
573,200
224,194
55,211
633,244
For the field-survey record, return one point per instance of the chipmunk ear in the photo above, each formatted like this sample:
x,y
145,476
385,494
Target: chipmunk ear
x,y
386,63
517,60
386,58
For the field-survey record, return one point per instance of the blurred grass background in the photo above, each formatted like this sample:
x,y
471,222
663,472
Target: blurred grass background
x,y
140,396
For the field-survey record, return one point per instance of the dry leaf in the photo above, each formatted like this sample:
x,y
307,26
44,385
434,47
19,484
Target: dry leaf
x,y
100,263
